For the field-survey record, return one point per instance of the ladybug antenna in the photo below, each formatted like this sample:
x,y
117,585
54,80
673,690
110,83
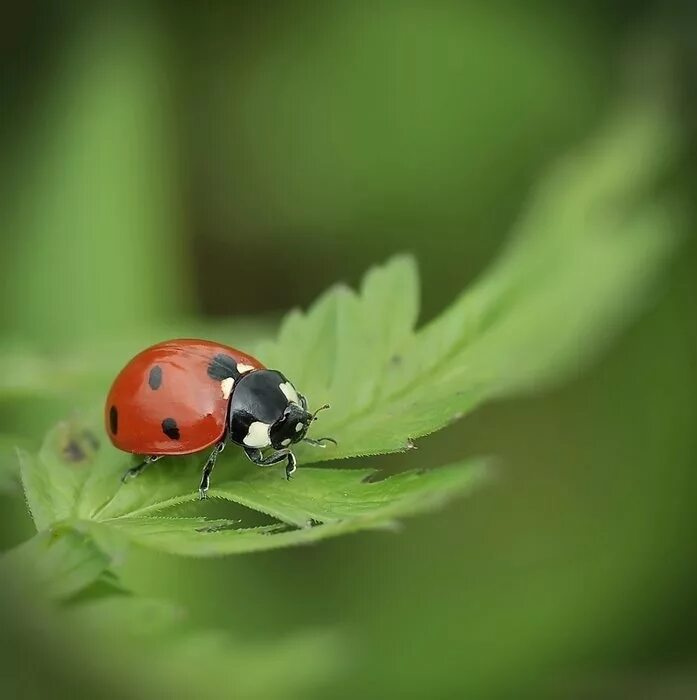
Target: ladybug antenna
x,y
321,408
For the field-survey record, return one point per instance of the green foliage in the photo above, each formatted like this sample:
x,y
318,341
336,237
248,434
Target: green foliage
x,y
141,161
439,109
95,184
56,564
66,567
9,473
581,260
183,663
320,503
75,480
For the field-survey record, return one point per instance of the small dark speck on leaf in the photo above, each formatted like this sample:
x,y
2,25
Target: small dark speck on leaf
x,y
73,452
90,438
396,360
77,446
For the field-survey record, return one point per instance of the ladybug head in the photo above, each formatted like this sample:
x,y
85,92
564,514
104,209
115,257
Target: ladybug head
x,y
293,425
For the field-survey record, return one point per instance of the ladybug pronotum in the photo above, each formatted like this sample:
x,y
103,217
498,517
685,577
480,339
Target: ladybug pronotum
x,y
183,396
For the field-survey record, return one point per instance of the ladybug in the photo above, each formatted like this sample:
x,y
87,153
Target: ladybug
x,y
183,396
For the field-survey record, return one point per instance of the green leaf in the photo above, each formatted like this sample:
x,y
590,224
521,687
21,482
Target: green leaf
x,y
342,345
160,645
319,503
10,446
36,490
54,479
57,564
182,661
579,266
76,479
580,263
63,565
335,495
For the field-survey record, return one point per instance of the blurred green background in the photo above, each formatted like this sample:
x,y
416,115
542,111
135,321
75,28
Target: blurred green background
x,y
167,165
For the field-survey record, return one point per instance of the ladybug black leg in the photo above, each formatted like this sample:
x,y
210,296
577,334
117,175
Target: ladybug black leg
x,y
291,466
319,442
133,472
207,469
256,456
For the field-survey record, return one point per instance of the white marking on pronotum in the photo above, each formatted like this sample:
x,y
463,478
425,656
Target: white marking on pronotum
x,y
241,368
226,387
299,427
258,435
285,442
289,390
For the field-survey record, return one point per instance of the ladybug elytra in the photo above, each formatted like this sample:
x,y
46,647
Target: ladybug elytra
x,y
183,396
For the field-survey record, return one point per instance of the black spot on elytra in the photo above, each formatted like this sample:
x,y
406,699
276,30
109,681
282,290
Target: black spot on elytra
x,y
73,451
155,378
170,428
114,420
222,367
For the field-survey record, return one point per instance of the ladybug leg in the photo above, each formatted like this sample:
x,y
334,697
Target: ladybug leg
x,y
319,442
291,466
256,456
208,468
133,472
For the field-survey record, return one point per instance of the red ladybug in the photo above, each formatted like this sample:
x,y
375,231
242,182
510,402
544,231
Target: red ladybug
x,y
182,396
